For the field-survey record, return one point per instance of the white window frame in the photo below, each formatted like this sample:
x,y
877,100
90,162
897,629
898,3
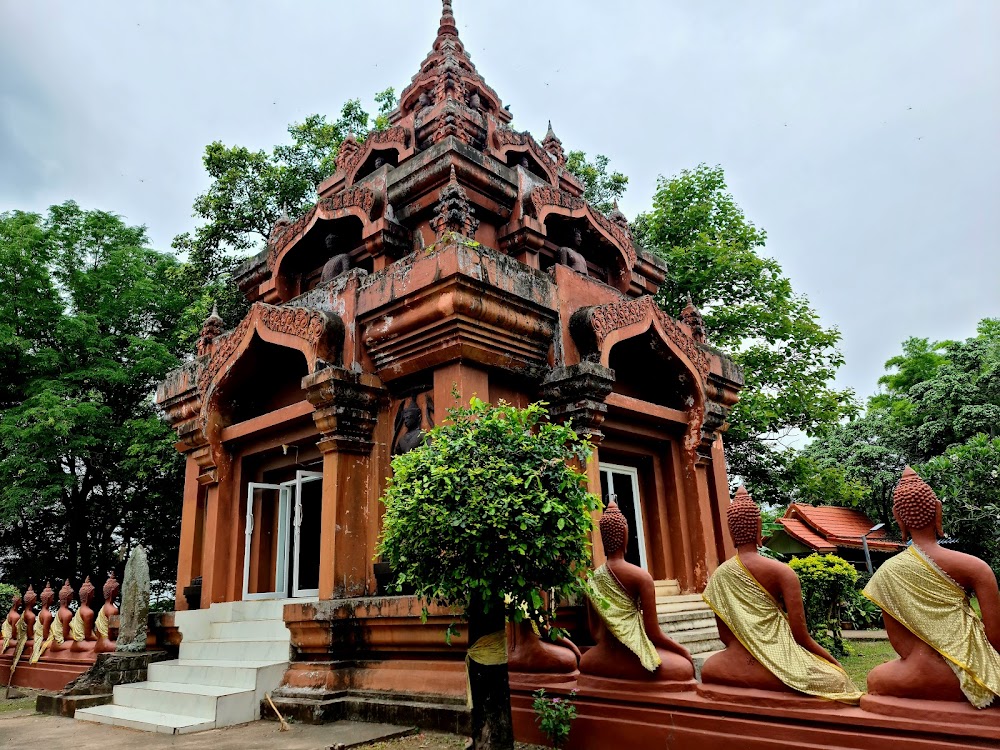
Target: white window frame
x,y
640,527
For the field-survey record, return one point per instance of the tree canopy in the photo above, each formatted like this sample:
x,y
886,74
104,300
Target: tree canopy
x,y
938,411
88,327
714,258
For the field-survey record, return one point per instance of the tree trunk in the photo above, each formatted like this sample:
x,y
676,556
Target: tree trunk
x,y
492,725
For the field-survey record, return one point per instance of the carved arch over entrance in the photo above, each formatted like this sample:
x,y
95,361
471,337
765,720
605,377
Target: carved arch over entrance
x,y
598,328
318,335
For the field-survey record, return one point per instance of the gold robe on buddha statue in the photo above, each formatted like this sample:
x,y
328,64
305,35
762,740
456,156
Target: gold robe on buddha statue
x,y
77,628
22,640
913,590
622,616
41,643
761,625
7,632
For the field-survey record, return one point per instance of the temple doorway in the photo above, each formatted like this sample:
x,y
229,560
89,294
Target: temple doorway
x,y
281,554
621,484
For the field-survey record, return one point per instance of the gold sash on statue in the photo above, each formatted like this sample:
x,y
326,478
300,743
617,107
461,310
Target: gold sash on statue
x,y
102,626
40,643
22,639
7,631
77,629
622,616
926,601
757,621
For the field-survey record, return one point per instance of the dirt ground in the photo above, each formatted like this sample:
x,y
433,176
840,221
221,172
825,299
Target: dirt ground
x,y
20,725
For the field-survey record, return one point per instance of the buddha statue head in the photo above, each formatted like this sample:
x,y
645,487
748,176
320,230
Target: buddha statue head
x,y
65,594
48,595
15,603
30,598
915,506
744,520
86,592
614,529
111,587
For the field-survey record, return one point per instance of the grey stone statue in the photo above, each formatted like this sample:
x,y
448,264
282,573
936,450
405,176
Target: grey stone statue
x,y
339,262
572,257
134,612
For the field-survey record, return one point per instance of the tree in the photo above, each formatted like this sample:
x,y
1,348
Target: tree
x,y
481,517
938,412
788,357
601,189
87,330
249,190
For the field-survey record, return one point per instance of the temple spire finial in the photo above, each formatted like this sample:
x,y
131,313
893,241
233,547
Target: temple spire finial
x,y
447,26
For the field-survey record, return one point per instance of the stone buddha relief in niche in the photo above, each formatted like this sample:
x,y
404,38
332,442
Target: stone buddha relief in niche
x,y
340,262
414,416
572,257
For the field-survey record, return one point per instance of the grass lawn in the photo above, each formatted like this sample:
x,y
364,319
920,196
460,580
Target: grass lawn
x,y
865,656
17,704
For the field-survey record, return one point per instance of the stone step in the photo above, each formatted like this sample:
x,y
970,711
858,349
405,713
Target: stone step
x,y
666,606
696,634
246,675
139,718
224,705
235,650
707,646
677,619
667,588
689,625
248,630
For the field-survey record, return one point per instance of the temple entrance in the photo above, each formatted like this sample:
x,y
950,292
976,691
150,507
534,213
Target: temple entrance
x,y
621,484
281,556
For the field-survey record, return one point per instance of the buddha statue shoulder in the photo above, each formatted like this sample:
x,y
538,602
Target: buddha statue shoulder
x,y
761,618
572,256
947,651
9,628
62,640
43,624
81,627
338,263
531,652
102,627
622,615
25,629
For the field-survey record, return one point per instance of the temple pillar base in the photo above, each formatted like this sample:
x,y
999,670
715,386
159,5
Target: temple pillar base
x,y
766,698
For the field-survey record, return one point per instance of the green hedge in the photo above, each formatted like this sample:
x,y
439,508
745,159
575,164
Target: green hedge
x,y
826,580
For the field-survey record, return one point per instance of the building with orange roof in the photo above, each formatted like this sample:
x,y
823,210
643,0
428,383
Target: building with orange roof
x,y
825,529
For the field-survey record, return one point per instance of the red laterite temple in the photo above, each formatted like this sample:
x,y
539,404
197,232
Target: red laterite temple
x,y
450,255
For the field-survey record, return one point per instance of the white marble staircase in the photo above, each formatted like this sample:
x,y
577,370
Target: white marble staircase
x,y
230,655
688,620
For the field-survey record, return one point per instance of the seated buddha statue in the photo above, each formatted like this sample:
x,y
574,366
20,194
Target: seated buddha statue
x,y
947,652
622,615
81,627
60,632
103,625
758,607
528,651
43,624
25,630
9,628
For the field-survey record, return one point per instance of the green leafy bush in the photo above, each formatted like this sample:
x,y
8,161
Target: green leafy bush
x,y
7,594
825,580
488,509
554,716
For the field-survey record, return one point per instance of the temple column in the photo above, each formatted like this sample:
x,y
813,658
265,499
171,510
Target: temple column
x,y
462,379
347,406
220,516
576,394
189,523
720,499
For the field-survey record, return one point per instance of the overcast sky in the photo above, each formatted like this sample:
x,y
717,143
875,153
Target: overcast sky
x,y
863,136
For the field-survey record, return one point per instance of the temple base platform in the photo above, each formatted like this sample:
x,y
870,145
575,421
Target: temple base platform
x,y
741,719
52,672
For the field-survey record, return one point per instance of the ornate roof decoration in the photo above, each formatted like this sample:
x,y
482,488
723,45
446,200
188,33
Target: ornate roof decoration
x,y
322,333
554,146
211,329
545,197
592,327
347,151
507,139
396,137
691,316
619,218
454,213
448,73
358,200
